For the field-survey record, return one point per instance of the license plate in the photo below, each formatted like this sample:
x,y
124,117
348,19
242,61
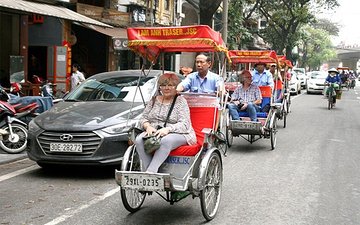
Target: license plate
x,y
246,125
142,182
65,147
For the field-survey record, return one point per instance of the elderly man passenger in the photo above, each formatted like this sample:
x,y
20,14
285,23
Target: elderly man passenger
x,y
246,97
178,130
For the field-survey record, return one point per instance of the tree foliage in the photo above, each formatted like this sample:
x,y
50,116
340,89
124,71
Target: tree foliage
x,y
284,19
238,33
315,46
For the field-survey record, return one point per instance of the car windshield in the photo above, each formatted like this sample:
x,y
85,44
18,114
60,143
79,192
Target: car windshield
x,y
121,88
300,71
318,75
233,78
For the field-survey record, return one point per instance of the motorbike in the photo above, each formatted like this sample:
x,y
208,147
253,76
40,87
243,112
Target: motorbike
x,y
16,139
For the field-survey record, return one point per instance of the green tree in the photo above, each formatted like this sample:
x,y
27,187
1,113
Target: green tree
x,y
238,34
284,18
316,47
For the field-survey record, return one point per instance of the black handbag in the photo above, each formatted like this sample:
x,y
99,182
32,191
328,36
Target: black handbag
x,y
151,142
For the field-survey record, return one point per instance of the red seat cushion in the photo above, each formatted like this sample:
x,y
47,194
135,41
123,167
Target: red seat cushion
x,y
201,117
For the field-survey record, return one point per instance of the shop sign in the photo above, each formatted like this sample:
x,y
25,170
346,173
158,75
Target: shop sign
x,y
120,44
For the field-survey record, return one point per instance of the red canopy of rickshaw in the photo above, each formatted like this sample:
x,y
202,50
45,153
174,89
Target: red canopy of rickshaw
x,y
253,56
284,62
150,41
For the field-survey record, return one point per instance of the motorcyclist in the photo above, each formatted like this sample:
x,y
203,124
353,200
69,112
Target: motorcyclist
x,y
332,78
352,79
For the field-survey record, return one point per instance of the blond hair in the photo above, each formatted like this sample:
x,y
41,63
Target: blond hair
x,y
169,79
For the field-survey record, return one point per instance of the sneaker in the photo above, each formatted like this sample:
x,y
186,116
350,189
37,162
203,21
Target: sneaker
x,y
178,195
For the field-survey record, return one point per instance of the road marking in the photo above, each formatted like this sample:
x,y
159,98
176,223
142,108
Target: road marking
x,y
78,210
337,140
298,95
18,172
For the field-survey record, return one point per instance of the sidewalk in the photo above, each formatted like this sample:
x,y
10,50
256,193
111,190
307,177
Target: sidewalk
x,y
6,157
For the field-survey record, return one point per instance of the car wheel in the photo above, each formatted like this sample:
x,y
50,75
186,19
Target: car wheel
x,y
296,91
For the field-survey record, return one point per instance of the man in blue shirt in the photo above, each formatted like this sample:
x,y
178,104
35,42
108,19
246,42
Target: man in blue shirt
x,y
202,81
262,77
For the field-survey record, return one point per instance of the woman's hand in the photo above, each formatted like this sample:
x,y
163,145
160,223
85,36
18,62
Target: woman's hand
x,y
150,130
162,132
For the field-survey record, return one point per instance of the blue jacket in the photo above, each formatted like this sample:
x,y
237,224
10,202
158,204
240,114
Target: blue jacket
x,y
334,79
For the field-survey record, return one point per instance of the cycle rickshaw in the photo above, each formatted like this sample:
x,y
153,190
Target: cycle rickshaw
x,y
283,108
344,76
196,169
266,127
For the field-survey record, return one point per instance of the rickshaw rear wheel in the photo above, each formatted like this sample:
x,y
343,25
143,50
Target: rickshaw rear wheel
x,y
210,195
132,199
273,130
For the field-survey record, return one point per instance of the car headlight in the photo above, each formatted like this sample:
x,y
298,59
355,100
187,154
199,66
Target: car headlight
x,y
311,83
119,128
33,127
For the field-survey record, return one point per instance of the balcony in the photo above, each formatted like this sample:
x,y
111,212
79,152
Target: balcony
x,y
109,16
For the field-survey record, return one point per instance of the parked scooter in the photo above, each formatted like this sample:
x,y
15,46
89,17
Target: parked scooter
x,y
10,122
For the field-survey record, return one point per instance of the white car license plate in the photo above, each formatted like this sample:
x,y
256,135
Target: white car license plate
x,y
65,147
142,182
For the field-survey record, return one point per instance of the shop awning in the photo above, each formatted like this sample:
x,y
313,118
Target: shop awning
x,y
49,10
114,32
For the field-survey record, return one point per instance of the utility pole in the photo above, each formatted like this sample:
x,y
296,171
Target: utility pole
x,y
225,20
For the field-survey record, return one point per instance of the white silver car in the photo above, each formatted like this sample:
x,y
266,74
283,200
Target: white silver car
x,y
294,84
316,81
301,76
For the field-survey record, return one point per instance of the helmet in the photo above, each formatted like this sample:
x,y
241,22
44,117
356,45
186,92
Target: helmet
x,y
333,70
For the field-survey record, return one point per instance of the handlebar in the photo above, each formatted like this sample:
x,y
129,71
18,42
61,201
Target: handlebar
x,y
328,84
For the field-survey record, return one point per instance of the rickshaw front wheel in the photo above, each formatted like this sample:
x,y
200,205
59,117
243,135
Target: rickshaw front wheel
x,y
229,134
284,114
273,131
210,195
132,199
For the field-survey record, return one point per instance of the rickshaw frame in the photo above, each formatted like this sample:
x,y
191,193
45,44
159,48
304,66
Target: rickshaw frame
x,y
205,168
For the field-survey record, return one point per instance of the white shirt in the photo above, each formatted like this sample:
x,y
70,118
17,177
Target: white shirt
x,y
76,78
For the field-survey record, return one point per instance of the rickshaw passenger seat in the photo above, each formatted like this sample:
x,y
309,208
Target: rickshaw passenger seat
x,y
265,103
201,117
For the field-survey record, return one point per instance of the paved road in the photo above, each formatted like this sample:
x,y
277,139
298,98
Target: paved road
x,y
312,177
